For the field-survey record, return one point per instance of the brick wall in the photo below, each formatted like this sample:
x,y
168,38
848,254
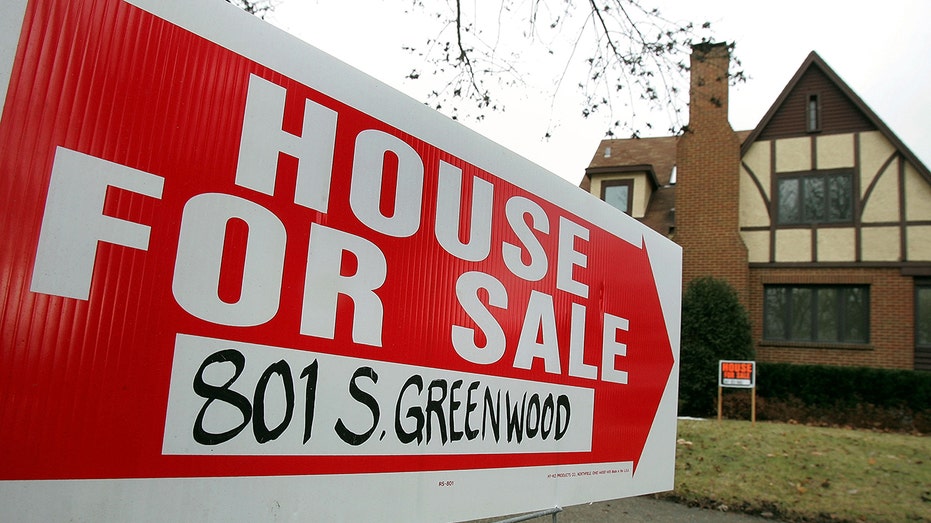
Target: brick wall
x,y
892,312
707,188
707,228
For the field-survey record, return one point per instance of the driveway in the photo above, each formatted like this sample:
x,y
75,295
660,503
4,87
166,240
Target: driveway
x,y
640,510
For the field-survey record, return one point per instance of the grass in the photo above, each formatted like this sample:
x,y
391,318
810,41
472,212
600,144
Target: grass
x,y
803,473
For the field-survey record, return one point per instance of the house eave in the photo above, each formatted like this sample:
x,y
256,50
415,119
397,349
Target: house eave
x,y
814,60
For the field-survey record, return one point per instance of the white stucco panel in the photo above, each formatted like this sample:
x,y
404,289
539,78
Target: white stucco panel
x,y
757,160
793,154
875,150
753,208
880,244
837,245
882,205
835,151
917,195
793,245
919,243
757,243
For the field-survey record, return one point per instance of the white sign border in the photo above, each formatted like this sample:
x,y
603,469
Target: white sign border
x,y
11,26
721,382
258,498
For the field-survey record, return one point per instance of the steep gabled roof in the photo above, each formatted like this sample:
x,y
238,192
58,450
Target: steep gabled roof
x,y
657,156
815,65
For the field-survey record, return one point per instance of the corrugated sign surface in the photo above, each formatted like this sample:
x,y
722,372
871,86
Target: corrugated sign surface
x,y
228,258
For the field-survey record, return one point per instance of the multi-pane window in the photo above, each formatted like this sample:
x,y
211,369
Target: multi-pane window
x,y
923,326
813,113
817,313
816,197
923,315
618,193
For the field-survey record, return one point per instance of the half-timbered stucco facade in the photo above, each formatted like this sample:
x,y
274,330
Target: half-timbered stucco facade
x,y
820,217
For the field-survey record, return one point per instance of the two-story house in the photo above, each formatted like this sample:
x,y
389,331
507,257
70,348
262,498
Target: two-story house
x,y
820,217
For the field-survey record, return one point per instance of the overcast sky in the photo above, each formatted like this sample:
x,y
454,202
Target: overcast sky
x,y
881,49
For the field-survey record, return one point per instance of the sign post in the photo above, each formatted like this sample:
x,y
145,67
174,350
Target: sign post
x,y
242,280
738,375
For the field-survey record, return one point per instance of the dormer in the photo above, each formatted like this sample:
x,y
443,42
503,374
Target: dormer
x,y
626,188
630,175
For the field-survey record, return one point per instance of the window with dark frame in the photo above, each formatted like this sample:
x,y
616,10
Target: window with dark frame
x,y
817,313
814,197
813,113
619,194
923,315
923,325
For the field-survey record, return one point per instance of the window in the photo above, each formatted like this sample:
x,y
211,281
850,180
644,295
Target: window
x,y
813,113
923,326
817,313
815,197
618,193
923,315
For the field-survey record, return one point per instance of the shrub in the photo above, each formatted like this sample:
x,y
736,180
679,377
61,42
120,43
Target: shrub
x,y
822,385
861,397
715,327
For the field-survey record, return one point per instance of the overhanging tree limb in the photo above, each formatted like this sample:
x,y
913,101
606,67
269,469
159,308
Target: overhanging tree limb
x,y
650,70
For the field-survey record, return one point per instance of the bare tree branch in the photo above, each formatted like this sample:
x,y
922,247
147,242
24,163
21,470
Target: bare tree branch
x,y
463,57
636,57
629,59
259,8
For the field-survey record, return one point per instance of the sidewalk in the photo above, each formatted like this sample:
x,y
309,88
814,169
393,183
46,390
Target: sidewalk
x,y
640,510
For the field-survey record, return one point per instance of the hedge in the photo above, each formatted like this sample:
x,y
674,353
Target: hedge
x,y
883,399
824,386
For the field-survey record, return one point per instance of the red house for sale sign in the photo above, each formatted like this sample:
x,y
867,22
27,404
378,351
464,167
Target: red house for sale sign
x,y
241,280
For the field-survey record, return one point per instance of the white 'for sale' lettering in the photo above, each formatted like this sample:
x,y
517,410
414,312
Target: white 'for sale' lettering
x,y
74,224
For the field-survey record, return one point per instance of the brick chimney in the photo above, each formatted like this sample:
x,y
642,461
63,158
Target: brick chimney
x,y
708,183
